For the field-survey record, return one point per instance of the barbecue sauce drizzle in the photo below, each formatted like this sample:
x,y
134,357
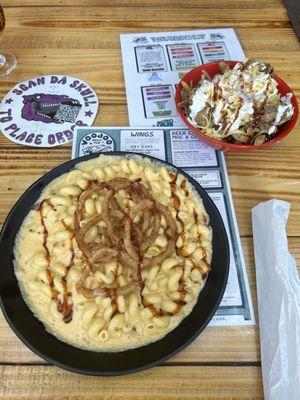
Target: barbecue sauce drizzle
x,y
63,307
66,306
259,111
204,255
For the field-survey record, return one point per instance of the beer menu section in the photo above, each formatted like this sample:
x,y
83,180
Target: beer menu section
x,y
155,62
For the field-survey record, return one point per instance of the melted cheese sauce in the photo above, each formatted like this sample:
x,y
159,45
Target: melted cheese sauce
x,y
49,264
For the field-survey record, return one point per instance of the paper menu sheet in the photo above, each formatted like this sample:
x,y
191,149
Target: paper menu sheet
x,y
207,166
155,62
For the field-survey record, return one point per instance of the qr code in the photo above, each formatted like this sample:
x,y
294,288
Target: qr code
x,y
67,113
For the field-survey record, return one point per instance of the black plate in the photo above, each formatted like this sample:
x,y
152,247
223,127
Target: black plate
x,y
32,332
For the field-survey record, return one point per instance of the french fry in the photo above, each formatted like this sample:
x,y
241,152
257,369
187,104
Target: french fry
x,y
260,139
184,94
206,74
185,86
222,67
184,103
241,138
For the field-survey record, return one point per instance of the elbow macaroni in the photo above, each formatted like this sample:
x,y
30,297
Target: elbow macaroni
x,y
170,289
133,304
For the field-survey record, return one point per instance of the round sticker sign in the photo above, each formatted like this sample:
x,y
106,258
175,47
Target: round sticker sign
x,y
45,111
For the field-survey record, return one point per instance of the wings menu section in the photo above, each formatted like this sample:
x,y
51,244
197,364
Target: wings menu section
x,y
155,62
207,166
140,141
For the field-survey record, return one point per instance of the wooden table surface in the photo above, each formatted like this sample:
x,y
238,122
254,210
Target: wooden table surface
x,y
81,38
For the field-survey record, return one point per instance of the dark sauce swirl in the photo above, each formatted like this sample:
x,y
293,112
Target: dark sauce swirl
x,y
63,306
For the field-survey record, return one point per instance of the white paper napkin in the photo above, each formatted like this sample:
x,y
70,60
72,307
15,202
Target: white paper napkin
x,y
278,291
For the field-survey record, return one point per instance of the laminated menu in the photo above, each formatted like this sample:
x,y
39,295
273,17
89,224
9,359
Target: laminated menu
x,y
207,166
155,62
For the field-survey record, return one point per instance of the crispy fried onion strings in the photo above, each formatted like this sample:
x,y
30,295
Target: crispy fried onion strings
x,y
126,237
